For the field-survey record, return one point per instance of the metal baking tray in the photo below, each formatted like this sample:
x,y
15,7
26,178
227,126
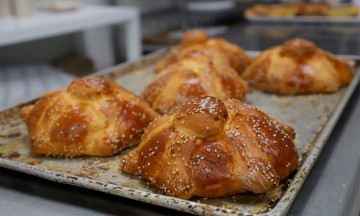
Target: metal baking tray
x,y
312,116
305,19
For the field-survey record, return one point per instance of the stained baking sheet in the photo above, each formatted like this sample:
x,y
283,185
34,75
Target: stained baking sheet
x,y
312,116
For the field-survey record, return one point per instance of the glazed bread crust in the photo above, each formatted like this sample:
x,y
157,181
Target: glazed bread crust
x,y
91,116
189,78
196,42
298,67
211,148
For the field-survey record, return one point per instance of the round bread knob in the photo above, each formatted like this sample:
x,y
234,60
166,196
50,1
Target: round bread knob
x,y
194,37
203,117
299,48
90,87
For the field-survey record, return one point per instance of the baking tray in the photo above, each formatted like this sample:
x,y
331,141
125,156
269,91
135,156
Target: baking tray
x,y
312,116
305,19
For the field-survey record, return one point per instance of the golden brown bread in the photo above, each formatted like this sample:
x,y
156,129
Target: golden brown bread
x,y
189,78
313,9
348,10
298,67
211,148
91,116
196,42
281,10
302,9
258,10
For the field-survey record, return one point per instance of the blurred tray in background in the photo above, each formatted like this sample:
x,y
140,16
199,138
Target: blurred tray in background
x,y
305,19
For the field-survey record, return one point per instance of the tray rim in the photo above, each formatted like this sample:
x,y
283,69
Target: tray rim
x,y
282,206
304,19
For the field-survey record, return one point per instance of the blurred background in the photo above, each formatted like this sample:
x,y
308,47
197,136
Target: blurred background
x,y
46,43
